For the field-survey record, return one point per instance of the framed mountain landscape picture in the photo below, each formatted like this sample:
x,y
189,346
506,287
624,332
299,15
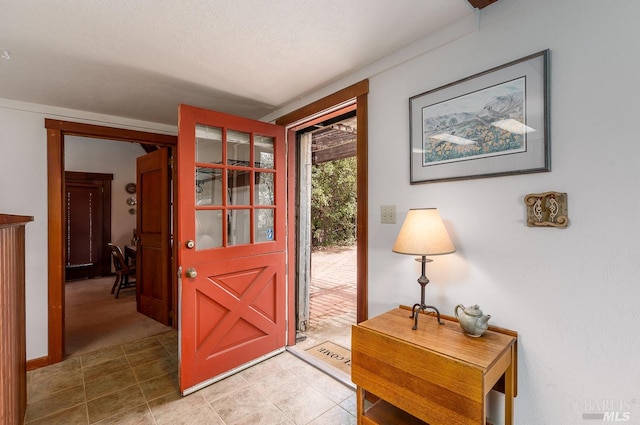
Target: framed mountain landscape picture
x,y
490,124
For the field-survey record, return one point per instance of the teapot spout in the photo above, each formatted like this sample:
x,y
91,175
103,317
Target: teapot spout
x,y
482,321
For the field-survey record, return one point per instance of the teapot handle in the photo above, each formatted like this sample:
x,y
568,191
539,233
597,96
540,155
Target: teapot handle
x,y
455,311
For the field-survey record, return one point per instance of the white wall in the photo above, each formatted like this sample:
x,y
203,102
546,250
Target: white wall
x,y
572,294
110,157
23,191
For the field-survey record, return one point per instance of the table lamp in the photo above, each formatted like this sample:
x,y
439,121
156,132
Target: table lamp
x,y
423,233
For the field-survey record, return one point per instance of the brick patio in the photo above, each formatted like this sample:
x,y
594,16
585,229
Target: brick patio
x,y
332,296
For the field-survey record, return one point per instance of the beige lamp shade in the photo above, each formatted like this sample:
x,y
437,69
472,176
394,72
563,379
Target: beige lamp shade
x,y
423,233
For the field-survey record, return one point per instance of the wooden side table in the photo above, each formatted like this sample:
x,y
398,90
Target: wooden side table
x,y
435,375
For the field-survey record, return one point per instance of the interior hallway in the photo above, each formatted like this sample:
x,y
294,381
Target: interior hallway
x,y
95,319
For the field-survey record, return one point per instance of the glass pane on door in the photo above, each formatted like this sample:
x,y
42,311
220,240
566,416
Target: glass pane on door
x,y
238,148
239,227
239,187
264,225
208,144
264,190
233,169
208,229
208,186
263,152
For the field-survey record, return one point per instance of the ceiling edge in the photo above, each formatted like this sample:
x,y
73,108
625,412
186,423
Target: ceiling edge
x,y
481,4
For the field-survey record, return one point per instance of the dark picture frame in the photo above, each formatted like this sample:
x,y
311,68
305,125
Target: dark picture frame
x,y
494,123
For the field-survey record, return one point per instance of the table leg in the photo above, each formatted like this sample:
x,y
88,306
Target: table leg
x,y
360,404
509,390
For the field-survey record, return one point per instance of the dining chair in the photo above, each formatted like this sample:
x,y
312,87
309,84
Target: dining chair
x,y
123,270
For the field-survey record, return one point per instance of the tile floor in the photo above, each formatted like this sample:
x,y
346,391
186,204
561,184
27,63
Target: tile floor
x,y
136,383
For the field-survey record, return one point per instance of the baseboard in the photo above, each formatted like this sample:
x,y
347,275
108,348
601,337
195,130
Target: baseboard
x,y
37,363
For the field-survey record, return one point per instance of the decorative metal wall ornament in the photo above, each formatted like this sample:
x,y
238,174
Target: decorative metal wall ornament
x,y
548,209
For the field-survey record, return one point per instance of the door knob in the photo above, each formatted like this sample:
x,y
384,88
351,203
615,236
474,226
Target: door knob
x,y
190,244
191,273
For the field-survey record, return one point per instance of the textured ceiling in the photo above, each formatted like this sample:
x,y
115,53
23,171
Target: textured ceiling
x,y
141,58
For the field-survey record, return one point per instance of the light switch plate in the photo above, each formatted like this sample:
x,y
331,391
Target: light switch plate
x,y
388,214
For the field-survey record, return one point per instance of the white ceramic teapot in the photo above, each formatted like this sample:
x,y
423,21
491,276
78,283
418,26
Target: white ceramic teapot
x,y
472,320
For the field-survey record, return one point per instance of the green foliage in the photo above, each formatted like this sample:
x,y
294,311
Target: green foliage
x,y
333,203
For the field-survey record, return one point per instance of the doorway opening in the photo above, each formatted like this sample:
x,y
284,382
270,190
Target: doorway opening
x,y
101,208
57,134
333,106
327,254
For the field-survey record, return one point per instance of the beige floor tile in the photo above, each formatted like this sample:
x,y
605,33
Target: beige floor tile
x,y
145,356
44,386
196,417
172,349
115,403
286,360
160,386
141,345
108,384
305,406
68,365
76,415
225,387
280,385
266,416
168,338
262,369
337,415
241,404
54,403
101,356
308,373
333,389
109,367
350,404
176,410
155,368
140,415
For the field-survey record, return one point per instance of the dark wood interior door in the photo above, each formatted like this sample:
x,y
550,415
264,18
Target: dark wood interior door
x,y
153,225
87,224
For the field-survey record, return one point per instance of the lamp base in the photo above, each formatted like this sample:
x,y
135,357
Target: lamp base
x,y
421,306
417,308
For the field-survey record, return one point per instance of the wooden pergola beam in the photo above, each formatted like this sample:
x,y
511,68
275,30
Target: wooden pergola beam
x,y
345,150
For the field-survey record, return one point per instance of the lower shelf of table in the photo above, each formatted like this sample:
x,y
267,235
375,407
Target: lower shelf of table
x,y
384,413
